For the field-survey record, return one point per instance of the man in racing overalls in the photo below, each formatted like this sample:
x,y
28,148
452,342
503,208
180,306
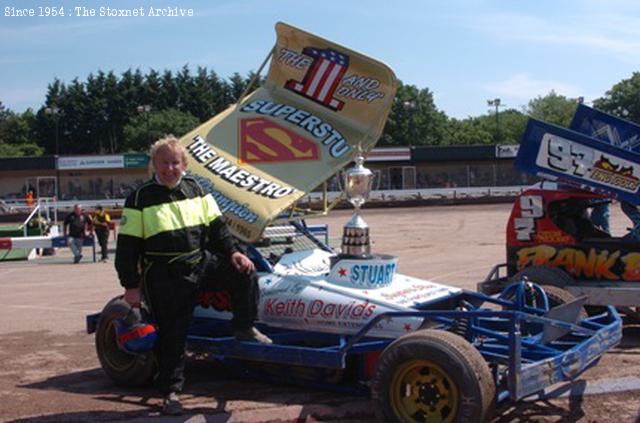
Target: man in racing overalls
x,y
101,222
167,225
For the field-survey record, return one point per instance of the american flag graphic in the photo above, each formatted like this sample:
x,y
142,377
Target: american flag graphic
x,y
323,77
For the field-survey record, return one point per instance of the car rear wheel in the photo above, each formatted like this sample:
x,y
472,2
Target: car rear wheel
x,y
558,296
543,275
553,281
123,368
432,376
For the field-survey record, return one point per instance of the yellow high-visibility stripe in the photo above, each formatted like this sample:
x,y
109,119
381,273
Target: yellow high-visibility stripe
x,y
174,216
131,223
212,211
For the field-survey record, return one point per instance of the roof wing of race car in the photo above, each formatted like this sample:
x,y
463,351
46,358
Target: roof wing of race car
x,y
319,104
588,161
607,128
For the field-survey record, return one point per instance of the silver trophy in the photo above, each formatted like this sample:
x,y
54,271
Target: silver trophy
x,y
358,182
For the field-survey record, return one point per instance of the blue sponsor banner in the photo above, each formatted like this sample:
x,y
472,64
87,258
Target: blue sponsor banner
x,y
607,128
571,157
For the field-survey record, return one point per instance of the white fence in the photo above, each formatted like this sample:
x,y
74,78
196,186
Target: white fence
x,y
428,194
54,210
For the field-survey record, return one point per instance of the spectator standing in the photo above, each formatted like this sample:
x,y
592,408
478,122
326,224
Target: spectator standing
x,y
101,222
29,198
77,226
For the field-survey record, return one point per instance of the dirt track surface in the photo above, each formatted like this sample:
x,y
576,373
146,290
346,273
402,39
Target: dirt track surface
x,y
49,371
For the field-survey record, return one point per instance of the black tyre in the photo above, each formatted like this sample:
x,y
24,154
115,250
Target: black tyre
x,y
432,376
558,296
123,368
553,282
543,275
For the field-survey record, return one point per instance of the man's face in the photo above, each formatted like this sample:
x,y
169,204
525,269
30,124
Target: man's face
x,y
77,210
169,166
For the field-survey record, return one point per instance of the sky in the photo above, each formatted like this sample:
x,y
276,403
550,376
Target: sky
x,y
464,51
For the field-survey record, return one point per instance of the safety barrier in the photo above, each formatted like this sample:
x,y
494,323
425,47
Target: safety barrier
x,y
31,242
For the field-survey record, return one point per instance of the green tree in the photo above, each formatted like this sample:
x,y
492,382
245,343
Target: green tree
x,y
220,93
4,112
45,124
17,134
151,91
123,106
552,108
74,127
236,87
512,126
623,99
169,95
469,131
414,119
185,88
144,129
509,124
96,115
203,96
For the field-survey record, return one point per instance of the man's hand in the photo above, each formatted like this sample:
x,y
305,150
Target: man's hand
x,y
242,263
132,296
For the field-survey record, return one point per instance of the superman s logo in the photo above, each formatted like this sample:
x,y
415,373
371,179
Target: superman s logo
x,y
262,140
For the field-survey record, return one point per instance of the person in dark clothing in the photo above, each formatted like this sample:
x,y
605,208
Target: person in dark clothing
x,y
77,226
219,274
167,225
101,221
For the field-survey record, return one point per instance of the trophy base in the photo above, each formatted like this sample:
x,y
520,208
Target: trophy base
x,y
355,238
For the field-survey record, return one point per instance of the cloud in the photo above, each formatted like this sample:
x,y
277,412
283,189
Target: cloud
x,y
624,49
593,29
521,86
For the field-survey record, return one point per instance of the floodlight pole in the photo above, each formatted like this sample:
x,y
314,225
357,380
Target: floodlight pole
x,y
496,102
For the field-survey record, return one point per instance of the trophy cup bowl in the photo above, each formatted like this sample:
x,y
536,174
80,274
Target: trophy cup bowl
x,y
358,182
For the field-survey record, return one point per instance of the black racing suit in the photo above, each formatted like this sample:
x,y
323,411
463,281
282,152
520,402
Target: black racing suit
x,y
163,236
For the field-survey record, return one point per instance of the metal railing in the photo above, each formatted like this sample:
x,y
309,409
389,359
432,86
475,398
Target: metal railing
x,y
45,209
50,206
428,193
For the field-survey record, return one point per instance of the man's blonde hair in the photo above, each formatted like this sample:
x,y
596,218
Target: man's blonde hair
x,y
171,142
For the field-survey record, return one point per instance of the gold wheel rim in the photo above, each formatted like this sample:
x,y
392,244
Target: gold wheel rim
x,y
421,391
